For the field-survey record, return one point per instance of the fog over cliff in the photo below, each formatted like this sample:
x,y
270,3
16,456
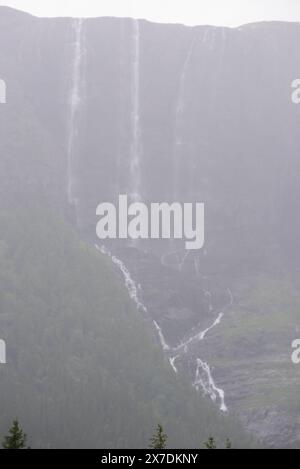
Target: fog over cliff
x,y
101,107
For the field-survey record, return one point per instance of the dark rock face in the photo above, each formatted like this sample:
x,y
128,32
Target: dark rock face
x,y
166,112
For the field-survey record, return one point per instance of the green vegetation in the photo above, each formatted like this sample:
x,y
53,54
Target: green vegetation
x,y
210,443
228,444
84,368
16,438
256,352
159,439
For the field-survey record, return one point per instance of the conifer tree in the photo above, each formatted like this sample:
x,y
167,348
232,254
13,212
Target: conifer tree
x,y
159,439
210,443
228,444
16,439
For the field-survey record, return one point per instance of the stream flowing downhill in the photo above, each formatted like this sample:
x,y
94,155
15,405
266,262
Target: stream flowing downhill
x,y
203,375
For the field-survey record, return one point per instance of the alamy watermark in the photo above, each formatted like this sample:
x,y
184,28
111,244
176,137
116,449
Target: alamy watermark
x,y
2,101
296,352
2,352
296,91
295,96
157,221
2,92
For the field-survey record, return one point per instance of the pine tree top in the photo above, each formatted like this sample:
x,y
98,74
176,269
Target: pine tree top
x,y
159,439
16,439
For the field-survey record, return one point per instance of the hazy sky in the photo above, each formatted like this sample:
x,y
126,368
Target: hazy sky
x,y
217,12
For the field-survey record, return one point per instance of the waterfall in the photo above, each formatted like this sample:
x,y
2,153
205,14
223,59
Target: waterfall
x,y
209,296
130,284
179,116
163,342
231,298
133,290
2,92
205,380
199,336
74,105
172,361
135,149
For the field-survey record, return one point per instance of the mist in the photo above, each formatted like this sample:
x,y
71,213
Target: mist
x,y
111,327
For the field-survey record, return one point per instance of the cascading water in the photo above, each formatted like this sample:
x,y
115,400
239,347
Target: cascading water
x,y
209,296
179,144
172,361
199,336
179,116
130,284
74,105
133,291
205,380
203,377
163,342
135,150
